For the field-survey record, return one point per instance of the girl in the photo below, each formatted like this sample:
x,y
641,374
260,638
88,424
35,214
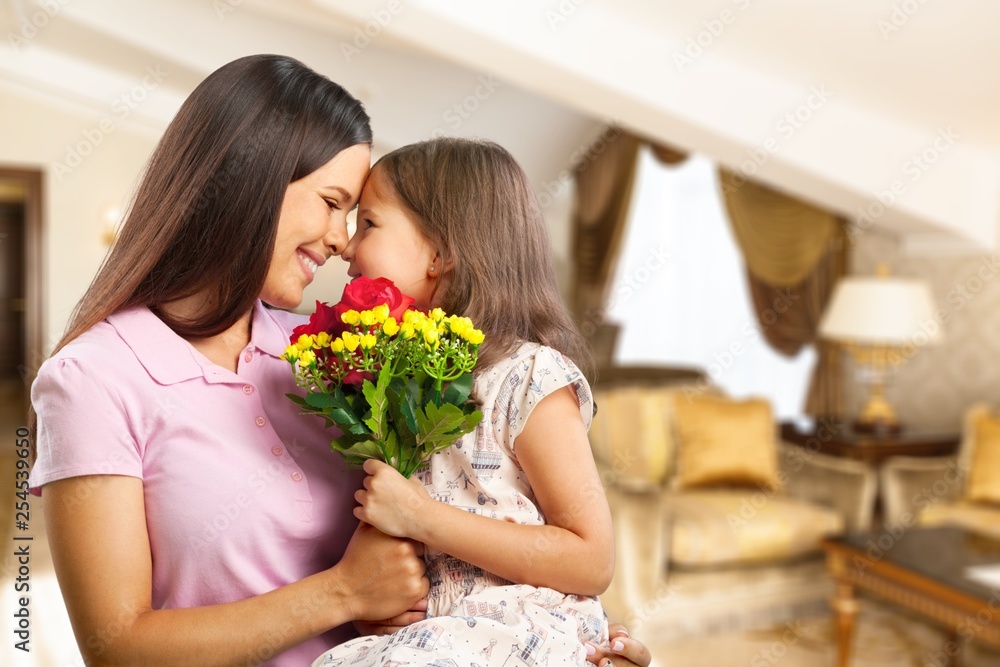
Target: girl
x,y
522,514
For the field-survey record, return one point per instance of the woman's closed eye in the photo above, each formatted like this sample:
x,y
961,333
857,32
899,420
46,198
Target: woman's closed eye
x,y
334,206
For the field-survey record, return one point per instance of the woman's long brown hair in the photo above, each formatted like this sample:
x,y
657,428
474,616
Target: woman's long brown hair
x,y
475,204
205,213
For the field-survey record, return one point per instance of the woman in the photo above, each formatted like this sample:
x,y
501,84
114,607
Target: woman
x,y
194,517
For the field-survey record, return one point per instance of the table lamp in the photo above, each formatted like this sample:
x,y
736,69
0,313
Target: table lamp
x,y
881,320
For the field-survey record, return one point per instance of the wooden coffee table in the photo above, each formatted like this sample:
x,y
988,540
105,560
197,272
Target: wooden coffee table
x,y
920,569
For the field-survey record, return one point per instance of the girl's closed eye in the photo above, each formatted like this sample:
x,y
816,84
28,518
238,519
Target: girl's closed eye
x,y
332,204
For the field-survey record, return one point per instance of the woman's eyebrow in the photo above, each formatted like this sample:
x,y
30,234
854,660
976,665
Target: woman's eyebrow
x,y
343,193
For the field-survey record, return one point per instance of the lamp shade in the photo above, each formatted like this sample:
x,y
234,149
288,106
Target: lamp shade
x,y
880,310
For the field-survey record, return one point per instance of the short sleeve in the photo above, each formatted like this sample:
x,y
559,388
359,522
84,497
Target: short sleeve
x,y
83,427
538,373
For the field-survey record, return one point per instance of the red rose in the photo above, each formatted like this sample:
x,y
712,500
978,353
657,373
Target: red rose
x,y
356,378
324,318
366,293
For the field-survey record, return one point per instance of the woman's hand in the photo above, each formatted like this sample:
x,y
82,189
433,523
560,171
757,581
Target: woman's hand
x,y
624,651
385,574
390,625
389,501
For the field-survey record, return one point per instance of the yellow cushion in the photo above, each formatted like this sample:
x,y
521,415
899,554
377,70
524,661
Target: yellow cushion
x,y
631,437
983,481
730,526
725,442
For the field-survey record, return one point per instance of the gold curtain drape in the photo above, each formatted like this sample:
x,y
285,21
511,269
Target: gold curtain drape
x,y
604,184
794,254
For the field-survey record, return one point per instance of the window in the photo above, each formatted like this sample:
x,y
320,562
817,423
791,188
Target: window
x,y
680,293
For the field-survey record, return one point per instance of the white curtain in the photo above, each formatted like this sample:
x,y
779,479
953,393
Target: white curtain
x,y
680,293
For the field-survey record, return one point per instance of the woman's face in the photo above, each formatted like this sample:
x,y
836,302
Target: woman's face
x,y
388,244
312,224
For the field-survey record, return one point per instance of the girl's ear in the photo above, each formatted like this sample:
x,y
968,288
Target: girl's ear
x,y
448,264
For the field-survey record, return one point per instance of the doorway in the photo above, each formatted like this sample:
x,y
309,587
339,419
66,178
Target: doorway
x,y
21,302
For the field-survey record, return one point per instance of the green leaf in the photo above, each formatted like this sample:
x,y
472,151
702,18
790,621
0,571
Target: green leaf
x,y
375,394
458,390
441,426
317,400
296,399
392,450
403,406
362,450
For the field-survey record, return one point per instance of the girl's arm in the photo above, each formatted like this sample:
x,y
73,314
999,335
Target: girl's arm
x,y
97,531
572,553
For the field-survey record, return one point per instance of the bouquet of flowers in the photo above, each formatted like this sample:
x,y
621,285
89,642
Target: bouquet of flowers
x,y
396,381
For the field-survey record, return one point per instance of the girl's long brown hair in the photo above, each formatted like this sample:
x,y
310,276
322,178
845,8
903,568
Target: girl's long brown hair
x,y
205,213
475,204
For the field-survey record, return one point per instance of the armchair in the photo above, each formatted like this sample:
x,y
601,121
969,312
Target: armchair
x,y
962,490
693,559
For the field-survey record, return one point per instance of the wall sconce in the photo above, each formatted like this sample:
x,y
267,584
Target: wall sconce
x,y
881,320
111,220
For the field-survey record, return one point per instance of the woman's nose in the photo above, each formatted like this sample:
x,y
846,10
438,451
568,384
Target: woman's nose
x,y
336,238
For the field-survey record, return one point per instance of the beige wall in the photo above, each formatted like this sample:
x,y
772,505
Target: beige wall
x,y
37,135
935,386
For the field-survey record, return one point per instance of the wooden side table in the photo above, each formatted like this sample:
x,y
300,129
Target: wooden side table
x,y
837,439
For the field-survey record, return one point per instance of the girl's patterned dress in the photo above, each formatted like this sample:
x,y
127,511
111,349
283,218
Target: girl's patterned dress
x,y
475,617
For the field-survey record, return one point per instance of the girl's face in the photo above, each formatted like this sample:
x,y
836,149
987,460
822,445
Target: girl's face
x,y
388,244
312,224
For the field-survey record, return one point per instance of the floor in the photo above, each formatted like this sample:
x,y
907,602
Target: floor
x,y
884,638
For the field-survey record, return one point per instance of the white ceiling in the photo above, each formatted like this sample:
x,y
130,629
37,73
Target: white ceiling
x,y
898,72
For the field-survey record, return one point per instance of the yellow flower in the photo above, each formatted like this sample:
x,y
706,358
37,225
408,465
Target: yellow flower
x,y
305,342
381,313
307,358
367,317
413,317
476,337
407,330
291,353
437,314
351,340
323,339
390,328
431,337
368,341
337,345
351,317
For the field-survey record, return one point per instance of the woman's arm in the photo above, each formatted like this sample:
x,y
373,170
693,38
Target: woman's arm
x,y
572,553
97,531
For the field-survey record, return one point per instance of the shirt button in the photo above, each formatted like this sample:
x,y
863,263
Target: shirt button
x,y
247,389
277,450
248,356
297,476
260,421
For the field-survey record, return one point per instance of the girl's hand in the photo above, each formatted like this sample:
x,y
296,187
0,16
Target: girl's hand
x,y
624,650
395,505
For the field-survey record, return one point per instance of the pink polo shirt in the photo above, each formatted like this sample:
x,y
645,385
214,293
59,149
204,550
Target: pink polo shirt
x,y
242,493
